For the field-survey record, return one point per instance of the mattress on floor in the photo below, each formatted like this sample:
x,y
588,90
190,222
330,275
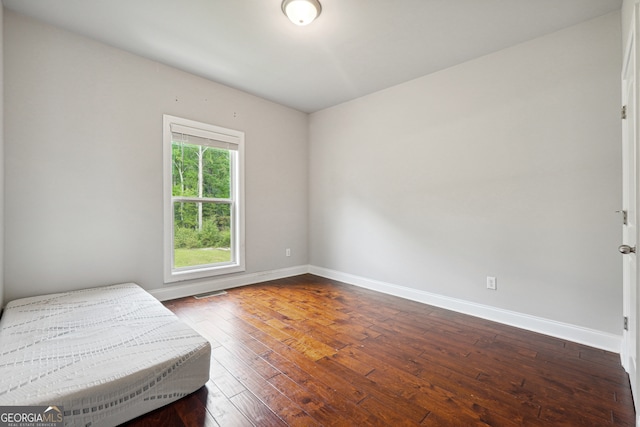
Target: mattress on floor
x,y
107,355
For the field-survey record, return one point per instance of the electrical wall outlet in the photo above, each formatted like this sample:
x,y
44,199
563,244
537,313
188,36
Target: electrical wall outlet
x,y
492,283
287,252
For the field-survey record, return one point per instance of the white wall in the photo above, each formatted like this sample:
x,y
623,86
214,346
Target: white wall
x,y
626,11
508,165
1,160
83,154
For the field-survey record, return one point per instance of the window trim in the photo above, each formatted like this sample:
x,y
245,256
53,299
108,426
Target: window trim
x,y
223,136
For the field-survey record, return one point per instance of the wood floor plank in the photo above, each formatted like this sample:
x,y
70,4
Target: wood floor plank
x,y
193,412
453,402
286,409
385,416
282,352
325,389
166,416
387,397
256,411
223,379
241,345
223,411
310,351
311,403
452,383
588,381
261,389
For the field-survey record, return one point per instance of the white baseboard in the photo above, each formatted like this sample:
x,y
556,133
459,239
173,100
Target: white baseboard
x,y
173,291
579,334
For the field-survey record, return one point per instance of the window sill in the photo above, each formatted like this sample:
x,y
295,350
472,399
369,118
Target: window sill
x,y
200,273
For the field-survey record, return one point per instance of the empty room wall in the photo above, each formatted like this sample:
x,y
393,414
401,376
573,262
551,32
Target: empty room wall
x,y
84,163
1,162
507,166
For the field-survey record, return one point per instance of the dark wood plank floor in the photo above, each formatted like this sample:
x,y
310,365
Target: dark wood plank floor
x,y
308,351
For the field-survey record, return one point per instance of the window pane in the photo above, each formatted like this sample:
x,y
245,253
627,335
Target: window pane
x,y
202,234
199,171
203,177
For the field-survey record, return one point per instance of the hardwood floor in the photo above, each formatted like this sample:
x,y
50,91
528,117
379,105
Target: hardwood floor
x,y
308,351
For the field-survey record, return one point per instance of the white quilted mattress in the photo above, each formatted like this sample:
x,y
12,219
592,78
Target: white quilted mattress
x,y
107,355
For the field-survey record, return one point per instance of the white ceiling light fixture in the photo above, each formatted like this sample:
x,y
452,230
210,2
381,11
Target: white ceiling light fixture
x,y
301,12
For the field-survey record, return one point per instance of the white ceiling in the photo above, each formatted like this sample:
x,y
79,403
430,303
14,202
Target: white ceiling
x,y
354,48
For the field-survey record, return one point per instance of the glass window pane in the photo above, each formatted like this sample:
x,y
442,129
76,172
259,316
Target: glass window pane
x,y
202,234
200,171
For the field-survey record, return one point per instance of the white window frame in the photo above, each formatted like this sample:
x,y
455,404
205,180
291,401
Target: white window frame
x,y
218,136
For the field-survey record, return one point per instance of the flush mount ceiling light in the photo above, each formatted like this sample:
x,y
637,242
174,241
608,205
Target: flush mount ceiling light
x,y
301,12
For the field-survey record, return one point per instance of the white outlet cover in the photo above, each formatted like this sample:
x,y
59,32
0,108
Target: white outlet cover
x,y
492,283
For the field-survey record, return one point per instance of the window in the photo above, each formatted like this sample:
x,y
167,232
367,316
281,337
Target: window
x,y
203,199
